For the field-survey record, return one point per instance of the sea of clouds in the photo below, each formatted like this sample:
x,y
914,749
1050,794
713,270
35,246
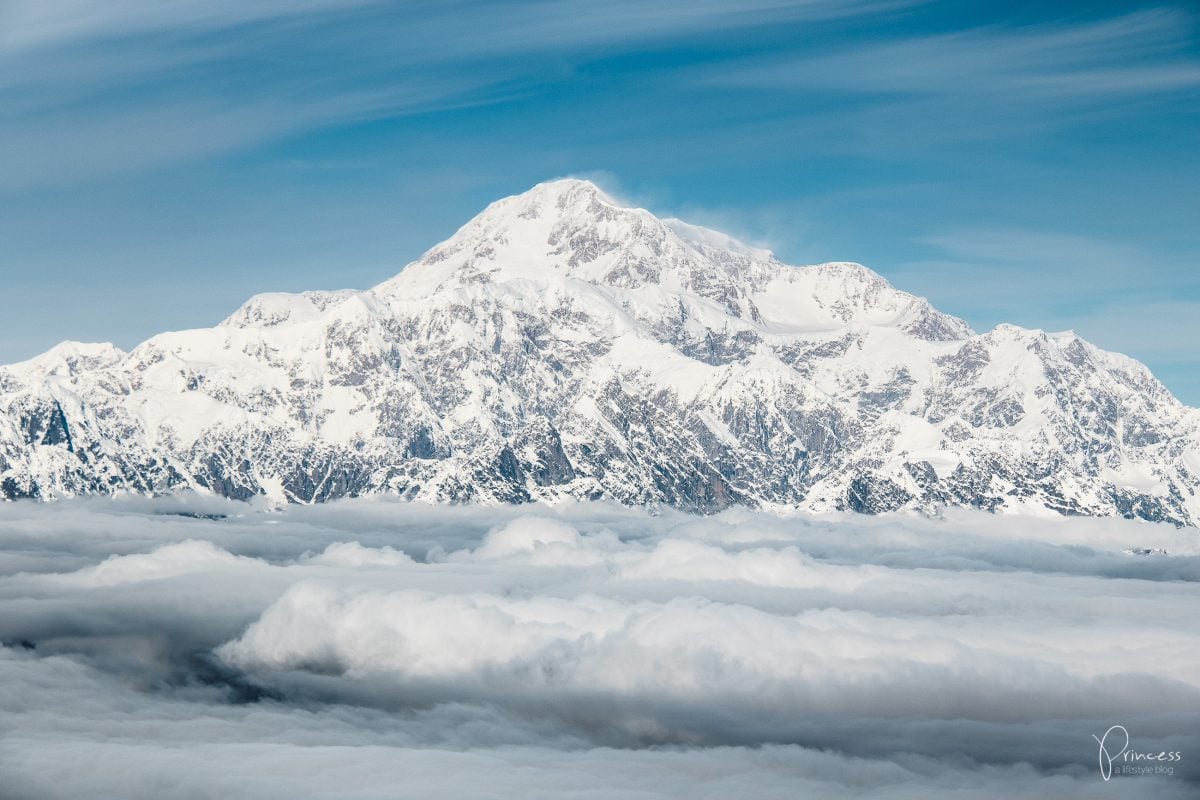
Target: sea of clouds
x,y
375,649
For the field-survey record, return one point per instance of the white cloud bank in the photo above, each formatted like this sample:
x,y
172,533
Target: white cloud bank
x,y
374,649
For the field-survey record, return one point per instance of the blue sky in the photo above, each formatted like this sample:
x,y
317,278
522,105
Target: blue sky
x,y
1030,162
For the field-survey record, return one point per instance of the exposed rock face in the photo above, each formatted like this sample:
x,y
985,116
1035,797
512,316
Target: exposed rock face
x,y
561,346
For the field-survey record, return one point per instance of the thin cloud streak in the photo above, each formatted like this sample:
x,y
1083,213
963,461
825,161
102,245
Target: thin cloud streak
x,y
1003,268
29,23
1050,62
101,83
520,26
57,149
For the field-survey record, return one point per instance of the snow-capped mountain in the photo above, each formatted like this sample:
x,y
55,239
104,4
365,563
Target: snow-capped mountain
x,y
562,346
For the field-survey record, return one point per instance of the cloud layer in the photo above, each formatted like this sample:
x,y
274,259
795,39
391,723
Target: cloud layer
x,y
384,650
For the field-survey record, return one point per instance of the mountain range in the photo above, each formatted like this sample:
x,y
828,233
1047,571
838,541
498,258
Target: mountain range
x,y
561,345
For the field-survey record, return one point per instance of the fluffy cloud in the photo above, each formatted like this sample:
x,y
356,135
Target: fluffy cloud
x,y
375,649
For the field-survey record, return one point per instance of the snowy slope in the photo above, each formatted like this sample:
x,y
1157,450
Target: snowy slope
x,y
560,345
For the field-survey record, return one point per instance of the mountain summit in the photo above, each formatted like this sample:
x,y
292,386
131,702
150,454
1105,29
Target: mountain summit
x,y
561,345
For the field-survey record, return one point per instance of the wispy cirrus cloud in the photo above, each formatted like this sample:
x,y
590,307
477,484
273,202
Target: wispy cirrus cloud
x,y
31,24
91,88
997,270
922,91
1144,51
517,25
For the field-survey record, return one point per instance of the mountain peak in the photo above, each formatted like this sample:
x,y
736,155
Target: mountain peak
x,y
553,199
562,345
570,231
558,188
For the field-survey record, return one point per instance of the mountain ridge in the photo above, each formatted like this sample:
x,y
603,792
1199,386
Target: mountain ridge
x,y
560,345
